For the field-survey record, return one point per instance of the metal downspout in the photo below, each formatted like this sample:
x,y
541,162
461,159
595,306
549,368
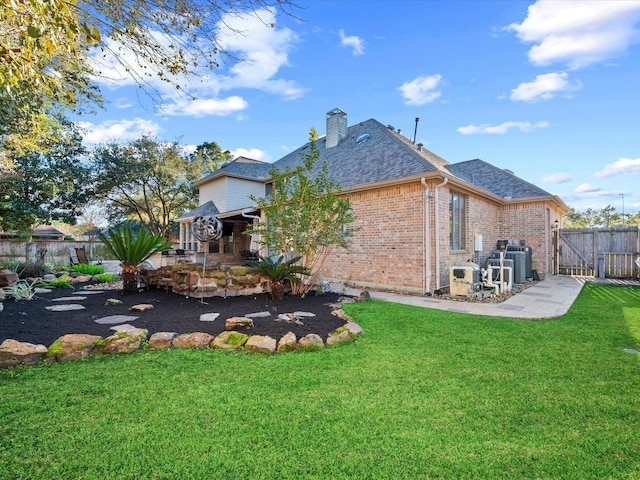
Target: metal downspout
x,y
426,239
437,225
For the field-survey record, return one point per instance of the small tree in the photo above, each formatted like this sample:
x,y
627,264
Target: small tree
x,y
132,250
306,216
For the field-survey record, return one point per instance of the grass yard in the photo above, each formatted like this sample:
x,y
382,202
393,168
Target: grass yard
x,y
424,394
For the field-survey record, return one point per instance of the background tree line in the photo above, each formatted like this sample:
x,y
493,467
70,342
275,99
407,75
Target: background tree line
x,y
606,217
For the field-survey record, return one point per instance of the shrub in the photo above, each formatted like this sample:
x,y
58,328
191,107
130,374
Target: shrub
x,y
22,290
62,282
106,277
87,269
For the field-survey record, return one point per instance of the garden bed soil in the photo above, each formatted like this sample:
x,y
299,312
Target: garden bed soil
x,y
30,320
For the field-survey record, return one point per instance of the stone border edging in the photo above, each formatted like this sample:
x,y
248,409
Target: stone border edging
x,y
78,346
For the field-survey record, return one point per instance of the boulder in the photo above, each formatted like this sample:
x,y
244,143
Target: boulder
x,y
13,352
141,307
340,314
238,323
287,343
193,340
354,327
310,342
261,344
162,340
341,335
230,340
123,342
8,278
73,346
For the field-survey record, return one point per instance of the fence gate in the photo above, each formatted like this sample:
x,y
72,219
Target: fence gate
x,y
599,252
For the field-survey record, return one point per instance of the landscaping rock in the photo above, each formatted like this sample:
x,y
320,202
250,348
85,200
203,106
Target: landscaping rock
x,y
230,340
209,317
13,352
76,298
338,312
115,319
310,342
123,342
354,327
112,301
238,323
288,343
261,344
8,278
193,340
65,308
162,340
140,307
341,335
73,346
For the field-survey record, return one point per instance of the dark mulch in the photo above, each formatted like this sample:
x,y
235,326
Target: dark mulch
x,y
29,320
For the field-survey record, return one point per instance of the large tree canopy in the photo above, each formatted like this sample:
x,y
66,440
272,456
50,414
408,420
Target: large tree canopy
x,y
150,181
46,186
48,52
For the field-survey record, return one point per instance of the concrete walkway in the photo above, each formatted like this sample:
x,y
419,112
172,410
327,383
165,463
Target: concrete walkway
x,y
548,298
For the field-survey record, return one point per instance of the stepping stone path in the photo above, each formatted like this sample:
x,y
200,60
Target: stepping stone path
x,y
209,317
68,299
125,327
258,315
115,319
65,308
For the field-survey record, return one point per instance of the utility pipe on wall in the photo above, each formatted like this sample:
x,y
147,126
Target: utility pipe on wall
x,y
426,239
437,226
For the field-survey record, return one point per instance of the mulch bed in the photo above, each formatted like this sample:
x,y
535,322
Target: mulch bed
x,y
29,320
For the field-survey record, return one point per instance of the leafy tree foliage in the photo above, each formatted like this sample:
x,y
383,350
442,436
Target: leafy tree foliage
x,y
46,186
149,181
606,217
210,156
305,215
45,49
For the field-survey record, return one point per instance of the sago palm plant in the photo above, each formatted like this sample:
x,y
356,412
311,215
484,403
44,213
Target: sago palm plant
x,y
277,271
132,250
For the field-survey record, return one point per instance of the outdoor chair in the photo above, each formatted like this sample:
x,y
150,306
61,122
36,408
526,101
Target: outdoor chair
x,y
73,257
82,257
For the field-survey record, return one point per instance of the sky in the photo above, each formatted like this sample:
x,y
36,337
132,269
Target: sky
x,y
547,89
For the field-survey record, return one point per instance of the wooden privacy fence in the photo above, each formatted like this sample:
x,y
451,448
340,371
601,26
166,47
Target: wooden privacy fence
x,y
599,252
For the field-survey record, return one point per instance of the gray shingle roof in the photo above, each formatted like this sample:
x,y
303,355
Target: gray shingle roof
x,y
208,208
495,180
241,167
371,153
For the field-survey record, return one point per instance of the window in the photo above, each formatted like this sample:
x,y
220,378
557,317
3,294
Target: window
x,y
457,221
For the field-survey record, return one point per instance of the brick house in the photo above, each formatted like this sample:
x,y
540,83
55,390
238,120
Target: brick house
x,y
417,215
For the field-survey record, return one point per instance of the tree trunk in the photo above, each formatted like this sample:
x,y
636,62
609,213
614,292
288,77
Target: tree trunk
x,y
277,290
129,278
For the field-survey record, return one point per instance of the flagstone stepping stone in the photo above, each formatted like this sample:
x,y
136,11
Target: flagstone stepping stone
x,y
141,307
68,299
65,308
115,319
258,314
89,292
42,290
209,317
125,327
304,314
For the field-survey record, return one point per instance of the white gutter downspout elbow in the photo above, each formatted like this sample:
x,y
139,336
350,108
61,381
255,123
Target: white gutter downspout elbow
x,y
426,239
437,226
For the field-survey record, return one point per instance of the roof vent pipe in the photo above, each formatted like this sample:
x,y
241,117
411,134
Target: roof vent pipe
x,y
415,131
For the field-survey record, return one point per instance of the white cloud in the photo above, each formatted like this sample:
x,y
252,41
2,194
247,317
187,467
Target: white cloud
x,y
587,188
263,51
421,90
502,128
253,153
200,107
355,43
118,130
544,87
578,33
556,178
623,166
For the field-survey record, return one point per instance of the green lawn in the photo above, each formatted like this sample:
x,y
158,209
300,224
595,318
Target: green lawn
x,y
424,394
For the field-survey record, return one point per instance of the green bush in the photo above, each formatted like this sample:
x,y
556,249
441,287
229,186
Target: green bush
x,y
87,269
106,277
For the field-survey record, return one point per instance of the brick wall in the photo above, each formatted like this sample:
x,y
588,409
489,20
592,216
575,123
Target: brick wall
x,y
388,249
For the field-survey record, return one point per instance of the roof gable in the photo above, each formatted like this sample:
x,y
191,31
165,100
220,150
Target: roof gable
x,y
206,209
242,167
